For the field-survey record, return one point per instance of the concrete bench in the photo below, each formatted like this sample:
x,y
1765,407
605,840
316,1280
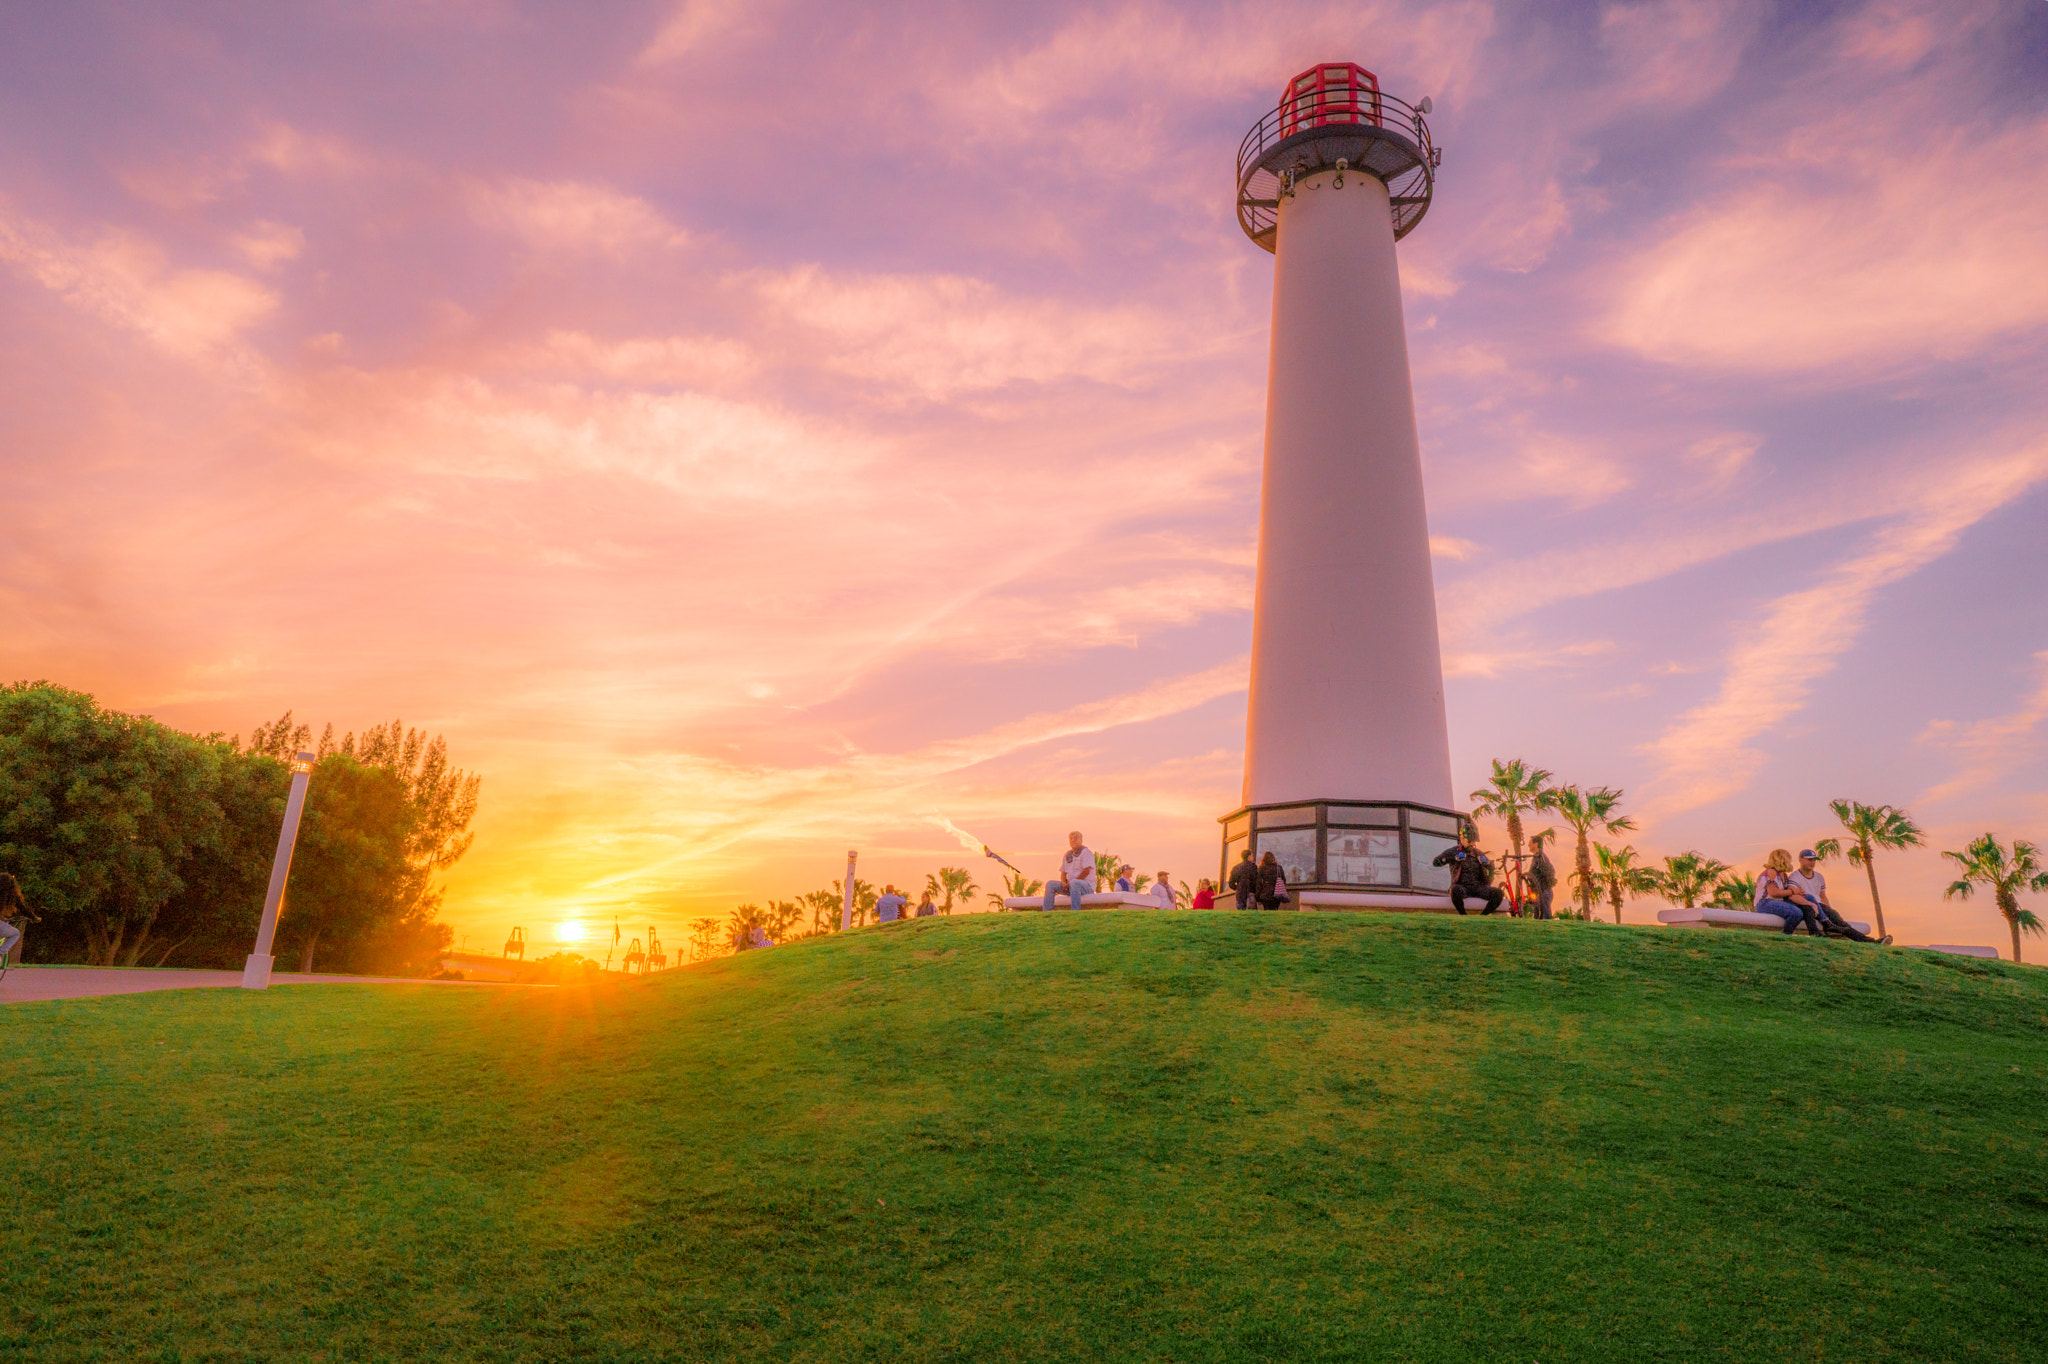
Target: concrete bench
x,y
1957,950
1111,899
1433,902
1709,917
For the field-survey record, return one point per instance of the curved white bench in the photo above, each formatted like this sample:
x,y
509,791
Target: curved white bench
x,y
1114,899
1732,918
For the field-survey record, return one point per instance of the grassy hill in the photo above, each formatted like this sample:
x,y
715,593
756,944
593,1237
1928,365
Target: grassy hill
x,y
1102,1136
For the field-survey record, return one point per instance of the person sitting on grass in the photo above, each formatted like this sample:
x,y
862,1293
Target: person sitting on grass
x,y
1162,891
890,907
1471,872
1810,893
925,905
1775,891
1077,874
1242,878
1205,895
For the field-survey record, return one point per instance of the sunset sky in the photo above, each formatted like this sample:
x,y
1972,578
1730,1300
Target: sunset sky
x,y
754,430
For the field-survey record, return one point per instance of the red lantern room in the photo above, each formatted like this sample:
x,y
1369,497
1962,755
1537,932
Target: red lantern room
x,y
1334,92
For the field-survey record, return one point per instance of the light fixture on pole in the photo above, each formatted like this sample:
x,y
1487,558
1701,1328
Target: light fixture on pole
x,y
846,902
256,971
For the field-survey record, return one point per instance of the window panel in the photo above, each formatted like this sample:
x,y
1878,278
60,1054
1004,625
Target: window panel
x,y
1363,857
1296,851
1422,850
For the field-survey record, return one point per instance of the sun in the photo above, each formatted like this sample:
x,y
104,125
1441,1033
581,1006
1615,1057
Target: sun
x,y
570,931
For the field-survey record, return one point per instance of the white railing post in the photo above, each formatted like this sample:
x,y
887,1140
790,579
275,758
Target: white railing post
x,y
256,971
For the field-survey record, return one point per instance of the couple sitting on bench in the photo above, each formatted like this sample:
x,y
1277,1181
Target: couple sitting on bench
x,y
1801,897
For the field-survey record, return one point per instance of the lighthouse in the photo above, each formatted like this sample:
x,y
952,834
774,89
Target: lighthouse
x,y
1347,771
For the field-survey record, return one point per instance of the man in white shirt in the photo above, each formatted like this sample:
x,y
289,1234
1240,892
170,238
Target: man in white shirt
x,y
1162,891
1809,882
1077,874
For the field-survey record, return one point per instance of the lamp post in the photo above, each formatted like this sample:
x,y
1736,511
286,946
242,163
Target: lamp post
x,y
846,903
256,971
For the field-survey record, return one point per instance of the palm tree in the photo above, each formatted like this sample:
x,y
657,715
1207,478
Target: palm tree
x,y
2005,872
1687,876
1105,869
864,897
1734,891
1619,875
1870,827
824,906
1514,787
951,882
781,917
1586,811
1015,886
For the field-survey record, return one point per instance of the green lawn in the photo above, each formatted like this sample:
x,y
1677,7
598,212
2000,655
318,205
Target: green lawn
x,y
1100,1136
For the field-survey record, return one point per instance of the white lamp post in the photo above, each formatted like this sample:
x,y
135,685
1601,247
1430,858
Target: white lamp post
x,y
846,904
256,971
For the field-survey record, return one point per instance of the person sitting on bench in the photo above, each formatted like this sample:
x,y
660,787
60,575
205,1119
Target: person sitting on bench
x,y
1077,874
1774,892
1810,893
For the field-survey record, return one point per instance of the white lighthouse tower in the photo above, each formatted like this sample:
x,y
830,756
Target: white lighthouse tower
x,y
1347,771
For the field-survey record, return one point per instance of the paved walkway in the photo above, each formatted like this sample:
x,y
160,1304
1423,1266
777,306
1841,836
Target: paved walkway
x,y
23,983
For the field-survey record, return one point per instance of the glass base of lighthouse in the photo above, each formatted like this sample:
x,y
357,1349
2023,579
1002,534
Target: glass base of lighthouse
x,y
1378,851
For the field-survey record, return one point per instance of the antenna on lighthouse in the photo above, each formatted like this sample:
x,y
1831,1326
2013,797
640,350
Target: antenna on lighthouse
x,y
1347,770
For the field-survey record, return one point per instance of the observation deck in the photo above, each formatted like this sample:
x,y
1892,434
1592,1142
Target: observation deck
x,y
1334,117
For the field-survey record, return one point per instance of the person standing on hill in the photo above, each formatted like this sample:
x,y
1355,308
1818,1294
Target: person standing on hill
x,y
1269,885
890,907
13,912
1077,874
1543,873
1241,877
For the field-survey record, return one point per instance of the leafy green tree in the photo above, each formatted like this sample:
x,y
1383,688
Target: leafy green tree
x,y
704,939
1870,827
351,883
1513,788
211,920
951,884
1586,811
1687,876
2005,872
1105,869
1015,886
1734,891
97,812
1620,876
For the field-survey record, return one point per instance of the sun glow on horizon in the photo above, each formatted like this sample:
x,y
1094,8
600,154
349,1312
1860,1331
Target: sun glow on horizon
x,y
572,930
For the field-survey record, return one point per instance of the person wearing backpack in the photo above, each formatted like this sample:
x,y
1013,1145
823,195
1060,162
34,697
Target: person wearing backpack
x,y
1269,886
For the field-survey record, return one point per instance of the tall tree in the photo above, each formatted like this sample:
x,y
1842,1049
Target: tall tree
x,y
824,906
211,919
1513,788
1871,827
97,812
704,938
1687,876
1015,886
1618,873
951,884
1586,811
781,916
351,881
2005,872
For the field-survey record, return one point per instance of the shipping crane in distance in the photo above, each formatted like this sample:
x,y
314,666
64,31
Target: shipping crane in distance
x,y
515,946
